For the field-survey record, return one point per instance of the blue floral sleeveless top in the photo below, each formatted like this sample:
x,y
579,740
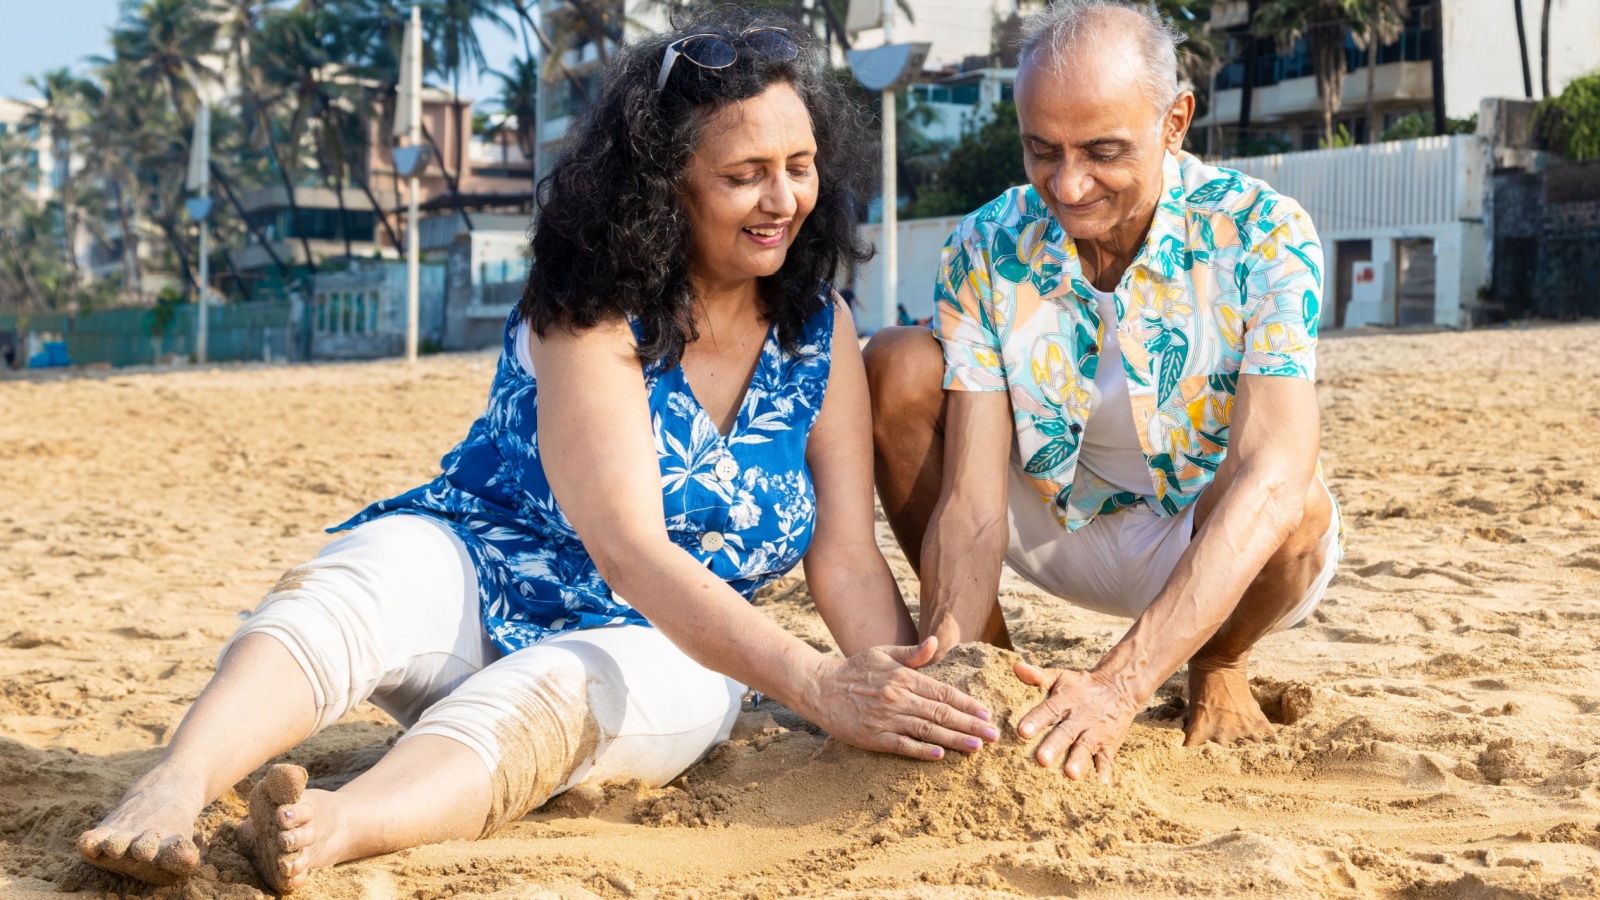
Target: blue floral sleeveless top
x,y
742,504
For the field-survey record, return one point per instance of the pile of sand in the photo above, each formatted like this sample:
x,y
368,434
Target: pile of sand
x,y
1439,713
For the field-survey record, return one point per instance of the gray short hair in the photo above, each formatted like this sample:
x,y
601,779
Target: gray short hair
x,y
1056,29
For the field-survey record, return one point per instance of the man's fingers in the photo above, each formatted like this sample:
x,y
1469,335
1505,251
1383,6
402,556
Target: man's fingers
x,y
1102,766
1030,674
1044,715
1080,760
1055,745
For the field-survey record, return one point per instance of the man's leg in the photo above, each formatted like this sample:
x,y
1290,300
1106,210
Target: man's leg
x,y
905,373
1221,707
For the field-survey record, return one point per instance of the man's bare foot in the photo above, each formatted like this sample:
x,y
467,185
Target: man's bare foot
x,y
149,836
1221,707
289,830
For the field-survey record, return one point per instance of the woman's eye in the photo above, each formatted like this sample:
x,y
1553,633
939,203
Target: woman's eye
x,y
745,180
800,172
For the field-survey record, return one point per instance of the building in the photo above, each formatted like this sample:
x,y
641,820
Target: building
x,y
1480,58
961,99
369,212
13,121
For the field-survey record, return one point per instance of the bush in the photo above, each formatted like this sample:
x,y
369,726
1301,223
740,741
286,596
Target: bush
x,y
1420,125
1569,123
984,164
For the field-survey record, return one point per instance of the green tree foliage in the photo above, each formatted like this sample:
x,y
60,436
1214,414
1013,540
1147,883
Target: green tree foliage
x,y
1420,125
1569,123
982,165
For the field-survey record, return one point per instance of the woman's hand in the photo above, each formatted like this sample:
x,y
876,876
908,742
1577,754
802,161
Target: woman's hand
x,y
876,700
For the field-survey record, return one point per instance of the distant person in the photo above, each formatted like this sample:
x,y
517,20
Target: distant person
x,y
679,416
1116,397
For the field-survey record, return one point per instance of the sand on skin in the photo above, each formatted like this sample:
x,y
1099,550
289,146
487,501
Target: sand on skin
x,y
1441,710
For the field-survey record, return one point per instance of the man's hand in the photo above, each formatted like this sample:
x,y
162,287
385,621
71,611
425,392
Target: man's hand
x,y
1091,717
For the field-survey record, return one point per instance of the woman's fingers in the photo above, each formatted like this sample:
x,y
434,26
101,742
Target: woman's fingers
x,y
952,698
900,745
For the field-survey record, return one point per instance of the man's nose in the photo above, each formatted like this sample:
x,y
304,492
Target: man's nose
x,y
1071,184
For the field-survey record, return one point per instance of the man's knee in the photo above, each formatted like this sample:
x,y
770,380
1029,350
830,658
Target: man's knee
x,y
1303,546
905,372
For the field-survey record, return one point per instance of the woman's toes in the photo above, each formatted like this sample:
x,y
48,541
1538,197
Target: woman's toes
x,y
294,839
145,847
115,843
294,815
179,855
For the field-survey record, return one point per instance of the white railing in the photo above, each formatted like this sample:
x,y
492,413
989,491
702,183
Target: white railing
x,y
1428,181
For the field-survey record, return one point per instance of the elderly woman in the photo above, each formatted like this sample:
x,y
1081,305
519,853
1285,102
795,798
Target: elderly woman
x,y
679,416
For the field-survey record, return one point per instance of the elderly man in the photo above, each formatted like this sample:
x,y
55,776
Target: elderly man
x,y
1124,390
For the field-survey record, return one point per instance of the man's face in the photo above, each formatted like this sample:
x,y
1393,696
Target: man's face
x,y
1093,143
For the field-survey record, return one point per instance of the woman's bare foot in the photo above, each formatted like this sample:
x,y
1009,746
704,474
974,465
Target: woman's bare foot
x,y
290,829
1221,707
149,836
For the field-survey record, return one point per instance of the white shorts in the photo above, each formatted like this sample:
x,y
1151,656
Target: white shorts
x,y
389,613
1117,563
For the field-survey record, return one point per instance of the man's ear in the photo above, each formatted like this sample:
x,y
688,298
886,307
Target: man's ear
x,y
1176,126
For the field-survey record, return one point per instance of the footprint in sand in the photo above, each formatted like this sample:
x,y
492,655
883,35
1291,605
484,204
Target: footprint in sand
x,y
262,839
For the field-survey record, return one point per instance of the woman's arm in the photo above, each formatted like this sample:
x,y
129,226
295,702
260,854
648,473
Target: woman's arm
x,y
596,444
853,588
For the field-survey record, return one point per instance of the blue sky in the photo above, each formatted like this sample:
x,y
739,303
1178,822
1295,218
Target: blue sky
x,y
43,34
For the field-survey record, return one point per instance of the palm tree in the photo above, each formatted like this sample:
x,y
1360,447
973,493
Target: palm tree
x,y
1522,47
1544,49
458,52
519,99
58,114
1324,25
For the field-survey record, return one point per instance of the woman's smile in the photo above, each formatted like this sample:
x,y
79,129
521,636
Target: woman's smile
x,y
769,235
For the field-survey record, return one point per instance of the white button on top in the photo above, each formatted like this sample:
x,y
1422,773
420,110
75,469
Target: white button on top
x,y
711,541
727,469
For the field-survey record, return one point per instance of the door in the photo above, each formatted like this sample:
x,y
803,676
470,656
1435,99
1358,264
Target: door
x,y
1414,298
1346,254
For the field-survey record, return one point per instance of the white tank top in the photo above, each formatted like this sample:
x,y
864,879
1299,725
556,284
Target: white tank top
x,y
1110,446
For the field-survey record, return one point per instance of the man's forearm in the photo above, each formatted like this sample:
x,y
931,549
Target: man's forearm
x,y
1249,523
961,557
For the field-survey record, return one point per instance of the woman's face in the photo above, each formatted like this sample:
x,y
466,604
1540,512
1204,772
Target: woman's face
x,y
752,181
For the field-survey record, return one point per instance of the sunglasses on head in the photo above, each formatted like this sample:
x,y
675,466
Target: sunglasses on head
x,y
711,51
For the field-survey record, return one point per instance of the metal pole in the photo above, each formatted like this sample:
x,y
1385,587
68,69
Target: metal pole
x,y
891,192
413,247
202,331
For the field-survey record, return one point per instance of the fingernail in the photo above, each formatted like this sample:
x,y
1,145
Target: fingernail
x,y
989,734
938,753
983,714
1026,729
973,743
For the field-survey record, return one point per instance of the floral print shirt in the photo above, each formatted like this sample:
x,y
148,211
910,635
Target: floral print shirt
x,y
742,504
1228,283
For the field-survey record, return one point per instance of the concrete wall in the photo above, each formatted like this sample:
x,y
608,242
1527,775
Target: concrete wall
x,y
921,241
1482,58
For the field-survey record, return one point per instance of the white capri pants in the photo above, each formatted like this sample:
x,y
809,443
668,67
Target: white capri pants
x,y
389,612
1117,563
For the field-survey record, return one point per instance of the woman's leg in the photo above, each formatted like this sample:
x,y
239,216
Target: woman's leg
x,y
259,704
388,611
602,704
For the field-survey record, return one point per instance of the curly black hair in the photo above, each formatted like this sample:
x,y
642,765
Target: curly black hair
x,y
612,236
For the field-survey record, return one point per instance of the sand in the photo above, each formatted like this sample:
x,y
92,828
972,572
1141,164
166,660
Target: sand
x,y
1440,712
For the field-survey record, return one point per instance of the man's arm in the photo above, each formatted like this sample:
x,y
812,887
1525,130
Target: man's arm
x,y
966,538
1271,460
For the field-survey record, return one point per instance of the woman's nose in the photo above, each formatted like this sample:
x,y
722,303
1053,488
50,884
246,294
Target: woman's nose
x,y
779,199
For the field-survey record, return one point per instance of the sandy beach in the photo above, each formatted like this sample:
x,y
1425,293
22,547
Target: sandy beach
x,y
1440,712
